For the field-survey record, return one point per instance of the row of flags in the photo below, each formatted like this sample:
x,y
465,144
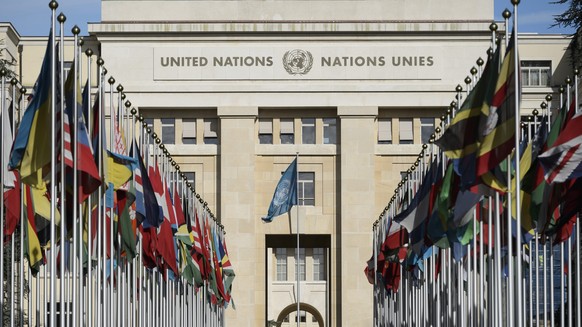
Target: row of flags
x,y
70,184
438,209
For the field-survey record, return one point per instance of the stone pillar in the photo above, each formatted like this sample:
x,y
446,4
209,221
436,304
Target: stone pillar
x,y
357,186
237,213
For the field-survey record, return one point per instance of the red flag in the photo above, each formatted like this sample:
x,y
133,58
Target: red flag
x,y
166,248
391,275
170,206
12,202
178,206
149,246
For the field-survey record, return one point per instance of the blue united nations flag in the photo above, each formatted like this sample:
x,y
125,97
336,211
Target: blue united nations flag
x,y
285,194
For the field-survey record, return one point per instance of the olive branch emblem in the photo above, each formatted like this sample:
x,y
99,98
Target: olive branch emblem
x,y
297,62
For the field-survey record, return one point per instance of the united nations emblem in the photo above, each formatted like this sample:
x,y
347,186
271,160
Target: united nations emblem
x,y
297,61
282,192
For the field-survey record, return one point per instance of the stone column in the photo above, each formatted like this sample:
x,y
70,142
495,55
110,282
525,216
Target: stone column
x,y
237,213
357,186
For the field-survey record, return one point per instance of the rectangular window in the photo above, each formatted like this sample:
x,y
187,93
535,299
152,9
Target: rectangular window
x,y
528,128
406,131
306,189
287,133
188,131
302,315
385,131
149,122
191,178
329,131
318,264
67,65
168,131
61,308
281,258
426,129
308,130
265,131
536,72
210,131
301,263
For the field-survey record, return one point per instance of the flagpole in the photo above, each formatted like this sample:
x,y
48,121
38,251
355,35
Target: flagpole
x,y
12,236
517,167
89,54
578,298
53,174
122,263
140,269
569,281
85,280
12,240
100,228
23,229
551,266
21,217
562,285
568,245
481,317
73,127
545,279
3,73
494,281
62,293
298,256
111,294
12,271
510,281
135,263
119,305
547,108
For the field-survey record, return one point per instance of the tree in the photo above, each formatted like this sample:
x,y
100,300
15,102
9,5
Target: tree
x,y
572,17
4,63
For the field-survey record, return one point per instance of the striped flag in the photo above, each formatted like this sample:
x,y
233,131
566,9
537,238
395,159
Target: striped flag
x,y
197,235
31,150
88,173
68,149
460,138
182,234
148,210
158,188
227,269
197,252
165,247
441,224
498,128
563,161
139,196
417,211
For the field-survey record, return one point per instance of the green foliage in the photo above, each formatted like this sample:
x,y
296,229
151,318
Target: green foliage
x,y
572,17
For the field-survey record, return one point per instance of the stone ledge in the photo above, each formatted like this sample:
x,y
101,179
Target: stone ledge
x,y
481,27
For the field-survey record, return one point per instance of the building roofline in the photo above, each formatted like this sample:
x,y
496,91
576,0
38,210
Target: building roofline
x,y
11,31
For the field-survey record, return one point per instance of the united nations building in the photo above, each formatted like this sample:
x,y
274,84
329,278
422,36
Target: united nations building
x,y
237,90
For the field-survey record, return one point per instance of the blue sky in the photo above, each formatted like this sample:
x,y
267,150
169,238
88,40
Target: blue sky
x,y
32,17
